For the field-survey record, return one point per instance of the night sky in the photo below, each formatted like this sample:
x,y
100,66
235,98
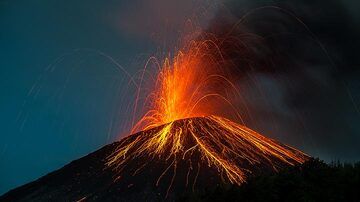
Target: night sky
x,y
64,92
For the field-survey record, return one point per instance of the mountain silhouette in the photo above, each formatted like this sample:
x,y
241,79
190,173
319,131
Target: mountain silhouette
x,y
163,163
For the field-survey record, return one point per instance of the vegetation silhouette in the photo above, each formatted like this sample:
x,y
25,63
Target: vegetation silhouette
x,y
312,181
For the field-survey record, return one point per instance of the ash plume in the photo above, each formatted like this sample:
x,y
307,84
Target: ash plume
x,y
298,71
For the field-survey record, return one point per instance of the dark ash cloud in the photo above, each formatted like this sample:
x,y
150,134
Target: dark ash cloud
x,y
301,74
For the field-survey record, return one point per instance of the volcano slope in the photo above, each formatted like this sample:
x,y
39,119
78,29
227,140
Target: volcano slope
x,y
165,162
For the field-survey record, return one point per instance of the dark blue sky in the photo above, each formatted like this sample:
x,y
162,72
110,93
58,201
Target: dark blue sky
x,y
41,131
62,96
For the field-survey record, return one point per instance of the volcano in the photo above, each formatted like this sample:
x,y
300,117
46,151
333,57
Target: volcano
x,y
164,162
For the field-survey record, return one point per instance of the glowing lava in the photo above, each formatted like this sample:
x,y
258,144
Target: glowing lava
x,y
191,88
229,147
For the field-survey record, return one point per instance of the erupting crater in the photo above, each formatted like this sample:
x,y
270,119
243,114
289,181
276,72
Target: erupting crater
x,y
181,147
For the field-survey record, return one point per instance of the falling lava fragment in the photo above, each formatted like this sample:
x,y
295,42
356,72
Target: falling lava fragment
x,y
164,162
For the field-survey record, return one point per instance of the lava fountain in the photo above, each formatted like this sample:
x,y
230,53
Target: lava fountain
x,y
194,83
186,124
